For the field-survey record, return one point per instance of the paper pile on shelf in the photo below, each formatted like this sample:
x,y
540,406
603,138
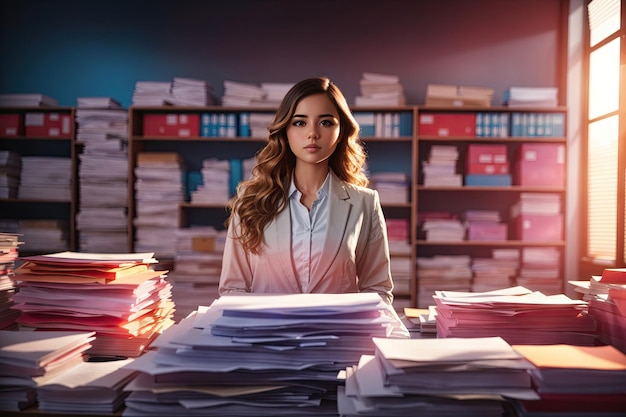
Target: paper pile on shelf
x,y
248,94
102,128
443,377
119,296
260,354
540,269
30,359
26,100
496,272
44,235
440,168
152,93
215,187
159,189
585,381
380,90
10,169
9,251
445,95
531,97
197,268
392,187
451,272
191,92
516,314
46,178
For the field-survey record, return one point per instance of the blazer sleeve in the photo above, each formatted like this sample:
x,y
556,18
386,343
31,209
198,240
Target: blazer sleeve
x,y
236,275
373,260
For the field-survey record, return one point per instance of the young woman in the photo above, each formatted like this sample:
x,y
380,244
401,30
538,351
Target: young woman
x,y
306,222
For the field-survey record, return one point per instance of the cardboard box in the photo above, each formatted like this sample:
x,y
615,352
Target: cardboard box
x,y
540,164
447,124
538,227
48,124
174,124
11,124
203,243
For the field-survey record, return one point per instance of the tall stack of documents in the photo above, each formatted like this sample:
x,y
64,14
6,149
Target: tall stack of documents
x,y
119,296
9,244
516,314
581,381
260,355
29,359
442,377
102,128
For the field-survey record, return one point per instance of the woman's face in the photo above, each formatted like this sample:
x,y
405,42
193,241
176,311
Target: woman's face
x,y
313,131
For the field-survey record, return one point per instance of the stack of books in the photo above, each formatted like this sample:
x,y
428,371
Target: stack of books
x,y
443,377
102,128
380,90
445,95
119,296
9,252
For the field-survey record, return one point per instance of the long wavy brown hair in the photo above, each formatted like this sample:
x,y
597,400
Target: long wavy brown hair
x,y
259,199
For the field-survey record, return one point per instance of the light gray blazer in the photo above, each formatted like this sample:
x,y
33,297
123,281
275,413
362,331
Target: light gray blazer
x,y
356,258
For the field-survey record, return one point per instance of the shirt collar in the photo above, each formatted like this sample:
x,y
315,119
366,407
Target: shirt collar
x,y
322,192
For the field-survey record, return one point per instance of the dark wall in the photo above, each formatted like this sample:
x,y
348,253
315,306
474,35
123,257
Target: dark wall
x,y
72,48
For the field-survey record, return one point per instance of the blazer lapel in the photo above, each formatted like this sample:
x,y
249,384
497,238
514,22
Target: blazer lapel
x,y
278,234
339,214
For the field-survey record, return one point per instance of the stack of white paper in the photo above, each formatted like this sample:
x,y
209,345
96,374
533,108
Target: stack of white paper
x,y
260,355
443,377
29,359
516,314
215,187
102,127
46,178
9,244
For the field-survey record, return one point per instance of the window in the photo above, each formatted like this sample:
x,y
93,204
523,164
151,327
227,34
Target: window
x,y
604,127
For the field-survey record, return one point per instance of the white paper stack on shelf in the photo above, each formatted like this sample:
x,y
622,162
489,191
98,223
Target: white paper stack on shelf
x,y
451,272
152,93
29,359
159,189
245,94
392,187
496,272
516,314
9,251
540,269
43,235
197,268
260,354
440,168
191,92
215,187
442,377
118,296
10,170
531,97
87,388
102,127
380,90
259,123
46,178
26,100
275,92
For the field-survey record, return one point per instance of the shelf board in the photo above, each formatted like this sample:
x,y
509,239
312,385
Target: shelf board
x,y
540,139
511,188
515,243
197,139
